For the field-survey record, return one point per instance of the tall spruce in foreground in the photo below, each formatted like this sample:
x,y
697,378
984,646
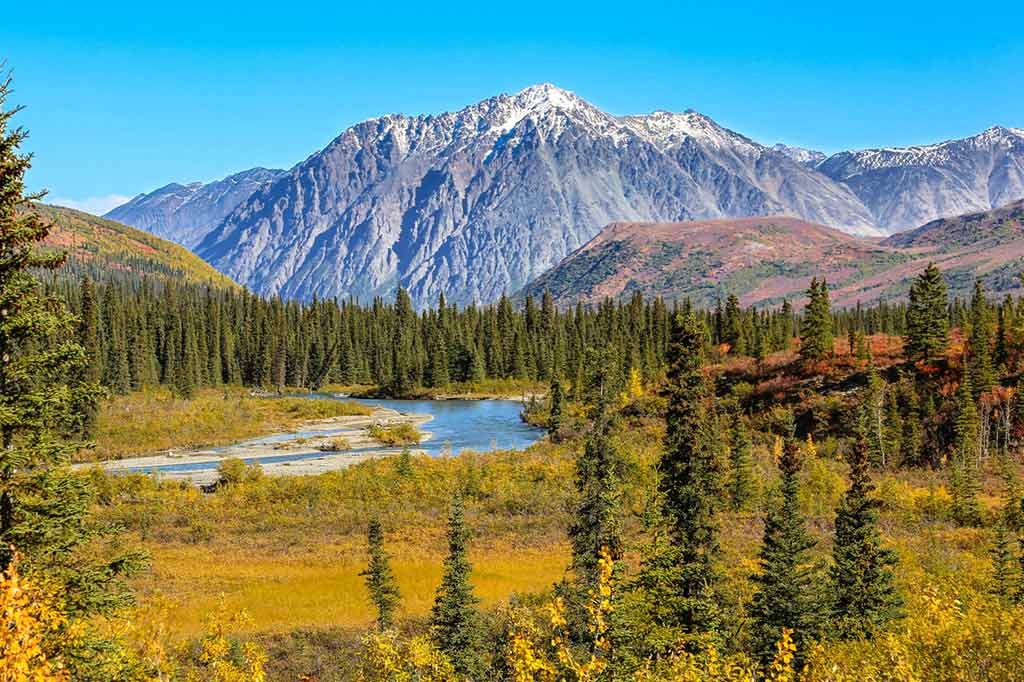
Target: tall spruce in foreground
x,y
680,578
454,621
927,317
44,507
380,579
786,595
862,580
816,330
596,521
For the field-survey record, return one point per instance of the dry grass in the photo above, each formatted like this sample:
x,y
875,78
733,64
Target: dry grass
x,y
153,420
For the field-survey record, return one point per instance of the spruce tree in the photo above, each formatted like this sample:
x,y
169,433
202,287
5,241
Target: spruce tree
x,y
979,364
44,507
732,326
1004,578
454,621
555,412
927,317
816,329
864,596
785,594
596,523
680,579
741,475
380,580
963,464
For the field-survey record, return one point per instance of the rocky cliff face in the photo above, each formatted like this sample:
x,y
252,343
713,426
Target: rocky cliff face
x,y
186,213
906,187
478,202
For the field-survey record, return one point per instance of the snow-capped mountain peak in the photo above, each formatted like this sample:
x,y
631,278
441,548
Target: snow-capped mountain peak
x,y
666,129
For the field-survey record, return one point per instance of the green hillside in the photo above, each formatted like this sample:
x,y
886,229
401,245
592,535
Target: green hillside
x,y
103,248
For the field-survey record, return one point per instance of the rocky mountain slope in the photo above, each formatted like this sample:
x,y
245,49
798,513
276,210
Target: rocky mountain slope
x,y
186,213
905,187
101,248
481,201
764,260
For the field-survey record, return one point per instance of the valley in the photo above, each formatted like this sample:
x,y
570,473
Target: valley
x,y
522,392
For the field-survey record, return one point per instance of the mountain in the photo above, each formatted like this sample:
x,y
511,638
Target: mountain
x,y
102,247
761,260
764,260
905,187
186,213
806,157
479,202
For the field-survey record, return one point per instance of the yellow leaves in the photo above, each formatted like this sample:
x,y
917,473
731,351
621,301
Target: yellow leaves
x,y
634,388
946,637
222,659
533,665
28,620
781,668
389,658
810,449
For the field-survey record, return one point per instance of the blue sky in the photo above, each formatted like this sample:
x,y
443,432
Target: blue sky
x,y
125,97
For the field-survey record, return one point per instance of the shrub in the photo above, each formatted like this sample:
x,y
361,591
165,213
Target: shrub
x,y
232,471
336,444
397,434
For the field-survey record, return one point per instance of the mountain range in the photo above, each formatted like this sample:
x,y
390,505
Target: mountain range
x,y
481,202
186,213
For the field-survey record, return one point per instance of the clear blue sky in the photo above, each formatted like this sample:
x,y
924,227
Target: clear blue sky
x,y
125,97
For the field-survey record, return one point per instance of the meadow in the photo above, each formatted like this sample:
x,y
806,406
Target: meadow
x,y
289,551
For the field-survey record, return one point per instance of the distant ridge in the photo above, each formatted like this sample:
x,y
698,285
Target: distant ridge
x,y
185,214
764,260
106,248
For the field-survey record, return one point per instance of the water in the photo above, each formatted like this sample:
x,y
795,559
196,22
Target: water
x,y
458,425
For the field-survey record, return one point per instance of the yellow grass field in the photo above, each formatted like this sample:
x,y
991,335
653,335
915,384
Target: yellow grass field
x,y
323,588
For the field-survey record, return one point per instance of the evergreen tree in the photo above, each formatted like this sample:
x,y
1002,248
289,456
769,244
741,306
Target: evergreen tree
x,y
785,594
454,620
596,520
403,464
44,507
927,319
680,579
380,580
864,596
555,413
439,377
963,464
816,330
979,364
741,475
732,326
1004,578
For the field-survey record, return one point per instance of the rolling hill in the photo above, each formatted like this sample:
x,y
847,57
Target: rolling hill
x,y
104,247
765,260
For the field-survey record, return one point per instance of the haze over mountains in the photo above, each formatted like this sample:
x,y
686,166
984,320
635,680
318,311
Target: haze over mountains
x,y
482,201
